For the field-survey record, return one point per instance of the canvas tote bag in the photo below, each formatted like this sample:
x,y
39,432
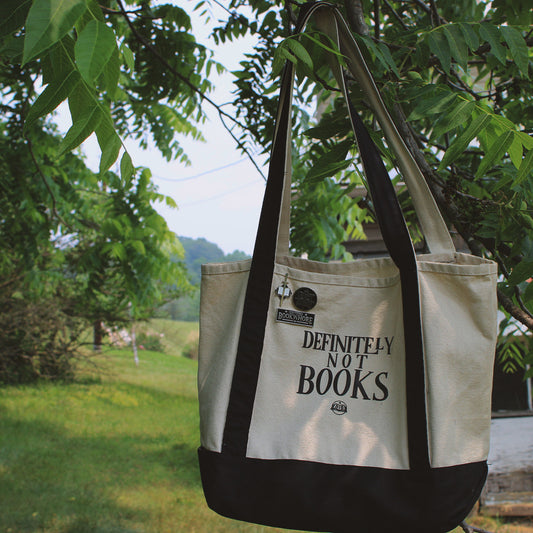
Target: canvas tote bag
x,y
355,396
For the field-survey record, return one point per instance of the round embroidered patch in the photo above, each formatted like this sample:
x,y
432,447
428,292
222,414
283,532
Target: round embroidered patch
x,y
304,298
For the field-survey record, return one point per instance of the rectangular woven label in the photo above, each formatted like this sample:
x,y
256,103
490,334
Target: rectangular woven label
x,y
298,318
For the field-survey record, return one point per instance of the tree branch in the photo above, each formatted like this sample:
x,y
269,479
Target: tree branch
x,y
436,19
145,42
291,17
5,284
46,184
396,15
518,296
356,17
472,529
421,4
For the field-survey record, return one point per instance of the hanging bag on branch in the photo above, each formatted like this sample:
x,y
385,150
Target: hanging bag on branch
x,y
351,396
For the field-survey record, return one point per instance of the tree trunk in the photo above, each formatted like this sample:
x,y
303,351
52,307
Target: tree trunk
x,y
134,345
98,335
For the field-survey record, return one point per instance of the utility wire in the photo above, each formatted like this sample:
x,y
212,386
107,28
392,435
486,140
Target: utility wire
x,y
177,180
217,196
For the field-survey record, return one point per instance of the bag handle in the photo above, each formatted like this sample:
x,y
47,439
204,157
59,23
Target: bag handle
x,y
259,287
330,21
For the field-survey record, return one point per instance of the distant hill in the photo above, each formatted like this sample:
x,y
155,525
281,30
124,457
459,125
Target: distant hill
x,y
197,252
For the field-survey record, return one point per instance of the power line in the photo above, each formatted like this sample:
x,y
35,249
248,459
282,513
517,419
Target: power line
x,y
213,170
217,196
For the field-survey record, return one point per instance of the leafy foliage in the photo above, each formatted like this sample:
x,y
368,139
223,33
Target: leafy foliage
x,y
38,340
91,240
456,76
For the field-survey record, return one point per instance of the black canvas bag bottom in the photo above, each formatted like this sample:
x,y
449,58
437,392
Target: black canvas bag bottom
x,y
340,499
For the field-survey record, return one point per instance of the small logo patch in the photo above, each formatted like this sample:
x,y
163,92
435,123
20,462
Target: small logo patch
x,y
298,318
339,407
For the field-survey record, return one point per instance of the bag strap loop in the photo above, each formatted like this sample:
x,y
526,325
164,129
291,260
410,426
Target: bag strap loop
x,y
330,21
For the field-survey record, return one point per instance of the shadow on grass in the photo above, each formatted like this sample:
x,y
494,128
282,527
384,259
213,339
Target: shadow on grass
x,y
55,481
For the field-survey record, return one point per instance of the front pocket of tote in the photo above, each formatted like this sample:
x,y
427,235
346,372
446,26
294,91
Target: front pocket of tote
x,y
333,391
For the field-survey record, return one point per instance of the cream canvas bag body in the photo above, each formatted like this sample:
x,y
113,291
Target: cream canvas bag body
x,y
353,396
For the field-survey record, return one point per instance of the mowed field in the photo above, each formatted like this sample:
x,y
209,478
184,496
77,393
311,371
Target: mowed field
x,y
112,452
115,451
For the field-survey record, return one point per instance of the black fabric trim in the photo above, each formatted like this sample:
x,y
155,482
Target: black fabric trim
x,y
398,241
256,303
339,499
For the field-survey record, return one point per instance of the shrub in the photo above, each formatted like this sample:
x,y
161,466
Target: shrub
x,y
37,340
149,342
190,350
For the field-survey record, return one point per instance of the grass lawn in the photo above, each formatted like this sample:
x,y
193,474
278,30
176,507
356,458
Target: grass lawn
x,y
113,452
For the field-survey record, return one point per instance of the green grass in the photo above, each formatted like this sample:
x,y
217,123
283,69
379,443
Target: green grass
x,y
113,452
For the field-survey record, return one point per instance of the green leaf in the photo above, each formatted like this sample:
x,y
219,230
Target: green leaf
x,y
516,151
381,52
126,167
525,169
459,114
495,153
471,37
117,251
332,48
518,48
299,51
432,105
170,202
81,129
389,59
281,55
460,144
526,140
94,48
59,62
321,171
138,246
327,129
51,97
111,73
95,10
492,35
439,46
12,15
109,143
49,21
11,51
127,55
521,272
458,47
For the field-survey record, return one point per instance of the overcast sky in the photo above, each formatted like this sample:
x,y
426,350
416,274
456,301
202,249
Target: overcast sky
x,y
220,194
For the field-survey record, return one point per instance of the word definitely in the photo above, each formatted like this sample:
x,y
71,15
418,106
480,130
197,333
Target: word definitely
x,y
343,373
332,342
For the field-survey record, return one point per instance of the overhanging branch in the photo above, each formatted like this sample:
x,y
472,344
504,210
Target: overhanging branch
x,y
222,114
